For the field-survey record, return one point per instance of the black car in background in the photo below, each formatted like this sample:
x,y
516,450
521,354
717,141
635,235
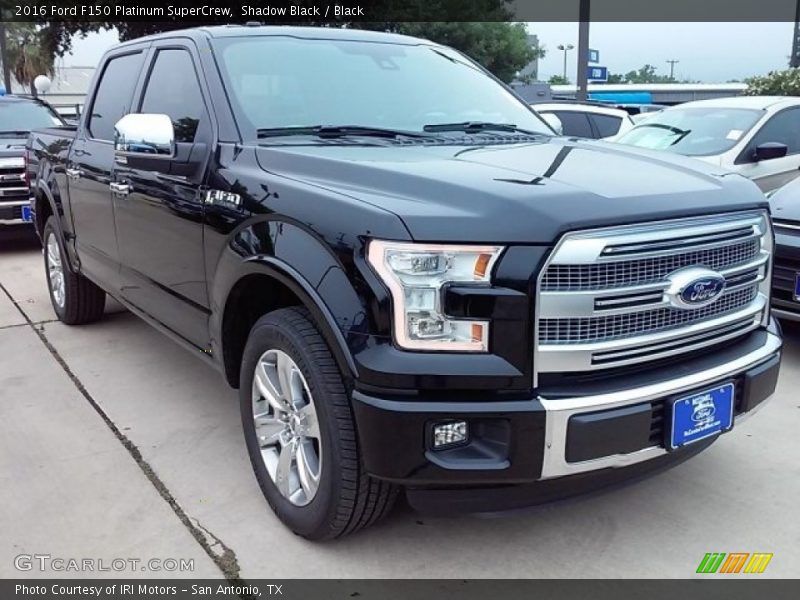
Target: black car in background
x,y
786,276
18,116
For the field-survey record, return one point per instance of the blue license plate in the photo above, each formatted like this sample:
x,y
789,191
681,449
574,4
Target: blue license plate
x,y
26,214
797,287
702,415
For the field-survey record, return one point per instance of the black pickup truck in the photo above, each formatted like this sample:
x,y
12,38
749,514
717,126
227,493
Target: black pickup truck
x,y
412,282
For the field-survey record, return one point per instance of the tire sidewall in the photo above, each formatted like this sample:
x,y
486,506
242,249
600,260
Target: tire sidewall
x,y
312,519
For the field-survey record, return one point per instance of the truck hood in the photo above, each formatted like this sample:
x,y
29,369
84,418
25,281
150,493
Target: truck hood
x,y
10,147
514,193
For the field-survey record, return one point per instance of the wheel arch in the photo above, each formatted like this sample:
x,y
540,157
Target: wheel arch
x,y
264,284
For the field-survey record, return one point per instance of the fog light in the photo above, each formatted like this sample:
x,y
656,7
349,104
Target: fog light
x,y
450,433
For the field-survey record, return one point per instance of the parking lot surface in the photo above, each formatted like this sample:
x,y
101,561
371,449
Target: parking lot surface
x,y
115,442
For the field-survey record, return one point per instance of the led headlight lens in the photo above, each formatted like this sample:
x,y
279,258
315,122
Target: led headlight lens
x,y
415,275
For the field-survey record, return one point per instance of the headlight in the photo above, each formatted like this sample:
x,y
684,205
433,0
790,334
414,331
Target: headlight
x,y
415,275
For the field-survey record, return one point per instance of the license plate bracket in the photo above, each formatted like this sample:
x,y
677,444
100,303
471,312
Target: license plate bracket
x,y
701,415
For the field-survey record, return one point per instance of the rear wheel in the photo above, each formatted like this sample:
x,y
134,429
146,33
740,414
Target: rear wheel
x,y
75,299
300,432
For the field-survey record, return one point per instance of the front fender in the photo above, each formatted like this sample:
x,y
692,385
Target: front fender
x,y
302,262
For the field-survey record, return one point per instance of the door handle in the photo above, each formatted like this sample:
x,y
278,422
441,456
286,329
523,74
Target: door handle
x,y
74,174
119,189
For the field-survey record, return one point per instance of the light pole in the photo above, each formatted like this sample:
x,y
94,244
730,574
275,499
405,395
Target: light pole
x,y
672,64
565,48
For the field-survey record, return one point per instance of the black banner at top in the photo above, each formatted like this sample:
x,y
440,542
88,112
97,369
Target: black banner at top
x,y
343,11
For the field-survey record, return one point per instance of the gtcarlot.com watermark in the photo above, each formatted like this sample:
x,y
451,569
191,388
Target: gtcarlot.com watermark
x,y
47,563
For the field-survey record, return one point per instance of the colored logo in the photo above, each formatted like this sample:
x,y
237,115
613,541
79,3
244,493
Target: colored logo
x,y
694,287
734,562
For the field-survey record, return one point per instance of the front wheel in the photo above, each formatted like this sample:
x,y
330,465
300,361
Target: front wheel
x,y
300,432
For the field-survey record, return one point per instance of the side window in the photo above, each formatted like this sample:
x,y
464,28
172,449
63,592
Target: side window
x,y
575,123
606,124
114,92
783,128
172,89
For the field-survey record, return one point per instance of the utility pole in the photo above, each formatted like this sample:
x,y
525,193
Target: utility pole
x,y
583,51
672,67
794,59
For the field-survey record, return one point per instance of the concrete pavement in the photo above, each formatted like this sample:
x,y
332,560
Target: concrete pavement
x,y
72,398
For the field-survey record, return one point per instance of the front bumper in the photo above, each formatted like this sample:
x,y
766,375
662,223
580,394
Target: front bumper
x,y
11,213
526,449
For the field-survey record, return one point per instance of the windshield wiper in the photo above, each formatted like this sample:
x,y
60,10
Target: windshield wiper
x,y
670,128
20,132
476,127
336,131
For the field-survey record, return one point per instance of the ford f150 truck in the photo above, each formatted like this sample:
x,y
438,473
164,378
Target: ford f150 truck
x,y
411,281
18,116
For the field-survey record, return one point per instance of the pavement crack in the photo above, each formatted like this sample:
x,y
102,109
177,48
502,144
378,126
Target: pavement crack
x,y
225,561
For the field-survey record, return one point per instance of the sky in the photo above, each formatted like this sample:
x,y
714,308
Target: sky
x,y
708,52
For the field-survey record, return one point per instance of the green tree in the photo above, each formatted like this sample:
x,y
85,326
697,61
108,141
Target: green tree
x,y
558,80
500,47
645,74
29,54
774,83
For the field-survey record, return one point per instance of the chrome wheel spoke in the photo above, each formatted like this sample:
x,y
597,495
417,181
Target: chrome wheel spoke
x,y
285,368
268,429
309,420
307,468
283,472
267,388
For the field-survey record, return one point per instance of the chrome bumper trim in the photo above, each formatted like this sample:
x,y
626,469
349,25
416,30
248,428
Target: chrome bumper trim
x,y
559,411
786,314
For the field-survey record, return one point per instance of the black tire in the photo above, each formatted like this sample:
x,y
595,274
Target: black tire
x,y
347,498
83,302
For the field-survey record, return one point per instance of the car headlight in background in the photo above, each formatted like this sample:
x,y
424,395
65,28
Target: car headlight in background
x,y
415,275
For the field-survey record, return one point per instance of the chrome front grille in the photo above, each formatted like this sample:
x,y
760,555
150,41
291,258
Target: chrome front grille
x,y
12,180
607,298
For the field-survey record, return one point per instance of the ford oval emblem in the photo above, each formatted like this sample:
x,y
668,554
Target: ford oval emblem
x,y
694,287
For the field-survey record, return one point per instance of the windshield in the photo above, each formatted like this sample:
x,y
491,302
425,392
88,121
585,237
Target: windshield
x,y
18,118
693,131
278,82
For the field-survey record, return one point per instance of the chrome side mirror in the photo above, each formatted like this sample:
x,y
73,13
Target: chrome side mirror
x,y
145,134
554,122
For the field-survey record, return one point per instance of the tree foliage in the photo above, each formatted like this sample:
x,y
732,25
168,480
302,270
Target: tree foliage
x,y
479,28
29,53
558,80
774,83
645,74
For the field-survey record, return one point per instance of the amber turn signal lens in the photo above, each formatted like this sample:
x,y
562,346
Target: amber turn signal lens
x,y
481,264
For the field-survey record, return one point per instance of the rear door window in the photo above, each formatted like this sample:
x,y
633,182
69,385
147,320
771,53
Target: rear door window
x,y
606,125
575,123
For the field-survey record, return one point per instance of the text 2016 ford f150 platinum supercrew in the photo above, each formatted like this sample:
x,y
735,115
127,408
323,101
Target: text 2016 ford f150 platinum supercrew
x,y
413,284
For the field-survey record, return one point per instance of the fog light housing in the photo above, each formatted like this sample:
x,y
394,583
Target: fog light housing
x,y
449,433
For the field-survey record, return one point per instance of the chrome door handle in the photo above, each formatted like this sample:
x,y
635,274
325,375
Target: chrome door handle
x,y
74,174
119,189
